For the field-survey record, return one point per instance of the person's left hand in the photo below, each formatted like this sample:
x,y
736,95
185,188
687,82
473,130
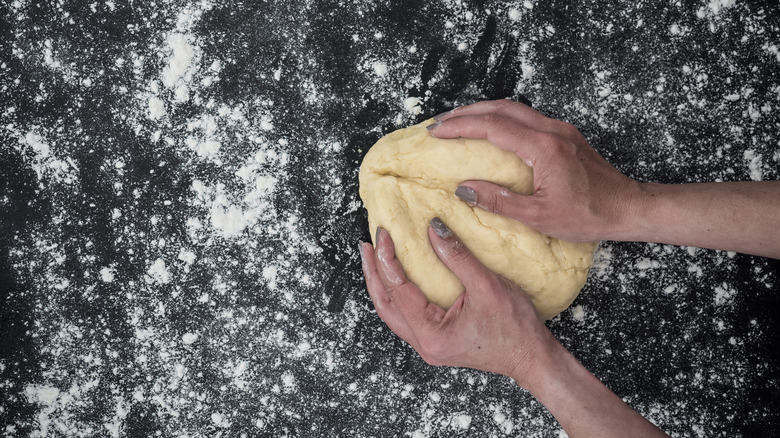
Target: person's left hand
x,y
493,326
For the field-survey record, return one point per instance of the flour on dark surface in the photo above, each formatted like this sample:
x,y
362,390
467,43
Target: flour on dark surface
x,y
181,217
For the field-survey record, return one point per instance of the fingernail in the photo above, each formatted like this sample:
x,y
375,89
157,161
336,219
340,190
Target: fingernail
x,y
433,126
440,229
442,115
376,235
467,194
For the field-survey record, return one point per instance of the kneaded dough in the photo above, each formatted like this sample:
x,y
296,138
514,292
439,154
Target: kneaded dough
x,y
409,177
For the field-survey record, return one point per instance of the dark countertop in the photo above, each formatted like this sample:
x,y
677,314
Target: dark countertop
x,y
180,211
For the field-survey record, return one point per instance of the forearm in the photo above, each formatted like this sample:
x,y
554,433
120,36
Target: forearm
x,y
581,403
735,216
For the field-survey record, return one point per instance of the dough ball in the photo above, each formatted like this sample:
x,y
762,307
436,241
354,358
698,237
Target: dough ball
x,y
409,177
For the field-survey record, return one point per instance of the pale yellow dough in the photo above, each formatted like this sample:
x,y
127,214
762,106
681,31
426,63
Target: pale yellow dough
x,y
409,177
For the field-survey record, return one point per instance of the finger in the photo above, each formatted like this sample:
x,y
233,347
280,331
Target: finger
x,y
405,295
374,284
390,269
515,110
379,296
500,200
469,270
501,130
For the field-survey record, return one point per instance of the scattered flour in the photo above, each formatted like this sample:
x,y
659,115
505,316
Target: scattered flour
x,y
578,312
462,421
723,294
159,272
218,292
182,54
754,165
413,105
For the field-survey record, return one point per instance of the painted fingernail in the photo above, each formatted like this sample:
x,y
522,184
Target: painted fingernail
x,y
467,194
440,229
433,126
376,235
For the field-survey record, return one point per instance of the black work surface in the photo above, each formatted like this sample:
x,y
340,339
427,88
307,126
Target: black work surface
x,y
180,211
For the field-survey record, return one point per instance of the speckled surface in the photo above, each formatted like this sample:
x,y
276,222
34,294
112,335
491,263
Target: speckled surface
x,y
180,212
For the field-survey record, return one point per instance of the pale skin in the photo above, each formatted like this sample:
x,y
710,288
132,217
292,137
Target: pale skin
x,y
494,327
577,196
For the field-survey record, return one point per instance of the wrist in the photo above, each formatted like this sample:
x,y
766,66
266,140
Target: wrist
x,y
580,402
532,368
636,213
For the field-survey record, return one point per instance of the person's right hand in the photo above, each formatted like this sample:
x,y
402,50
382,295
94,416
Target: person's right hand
x,y
578,195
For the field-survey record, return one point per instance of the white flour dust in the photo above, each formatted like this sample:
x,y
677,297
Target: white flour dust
x,y
207,274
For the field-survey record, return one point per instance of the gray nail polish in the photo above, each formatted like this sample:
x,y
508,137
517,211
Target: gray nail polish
x,y
467,194
440,229
376,235
433,126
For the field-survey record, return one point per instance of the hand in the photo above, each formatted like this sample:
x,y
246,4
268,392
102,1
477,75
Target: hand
x,y
493,326
578,195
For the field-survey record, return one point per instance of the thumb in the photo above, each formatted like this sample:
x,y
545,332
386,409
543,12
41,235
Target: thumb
x,y
499,200
451,250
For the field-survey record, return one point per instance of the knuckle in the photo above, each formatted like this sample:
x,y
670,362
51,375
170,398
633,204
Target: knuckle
x,y
381,304
556,146
568,129
534,216
495,200
493,120
502,105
